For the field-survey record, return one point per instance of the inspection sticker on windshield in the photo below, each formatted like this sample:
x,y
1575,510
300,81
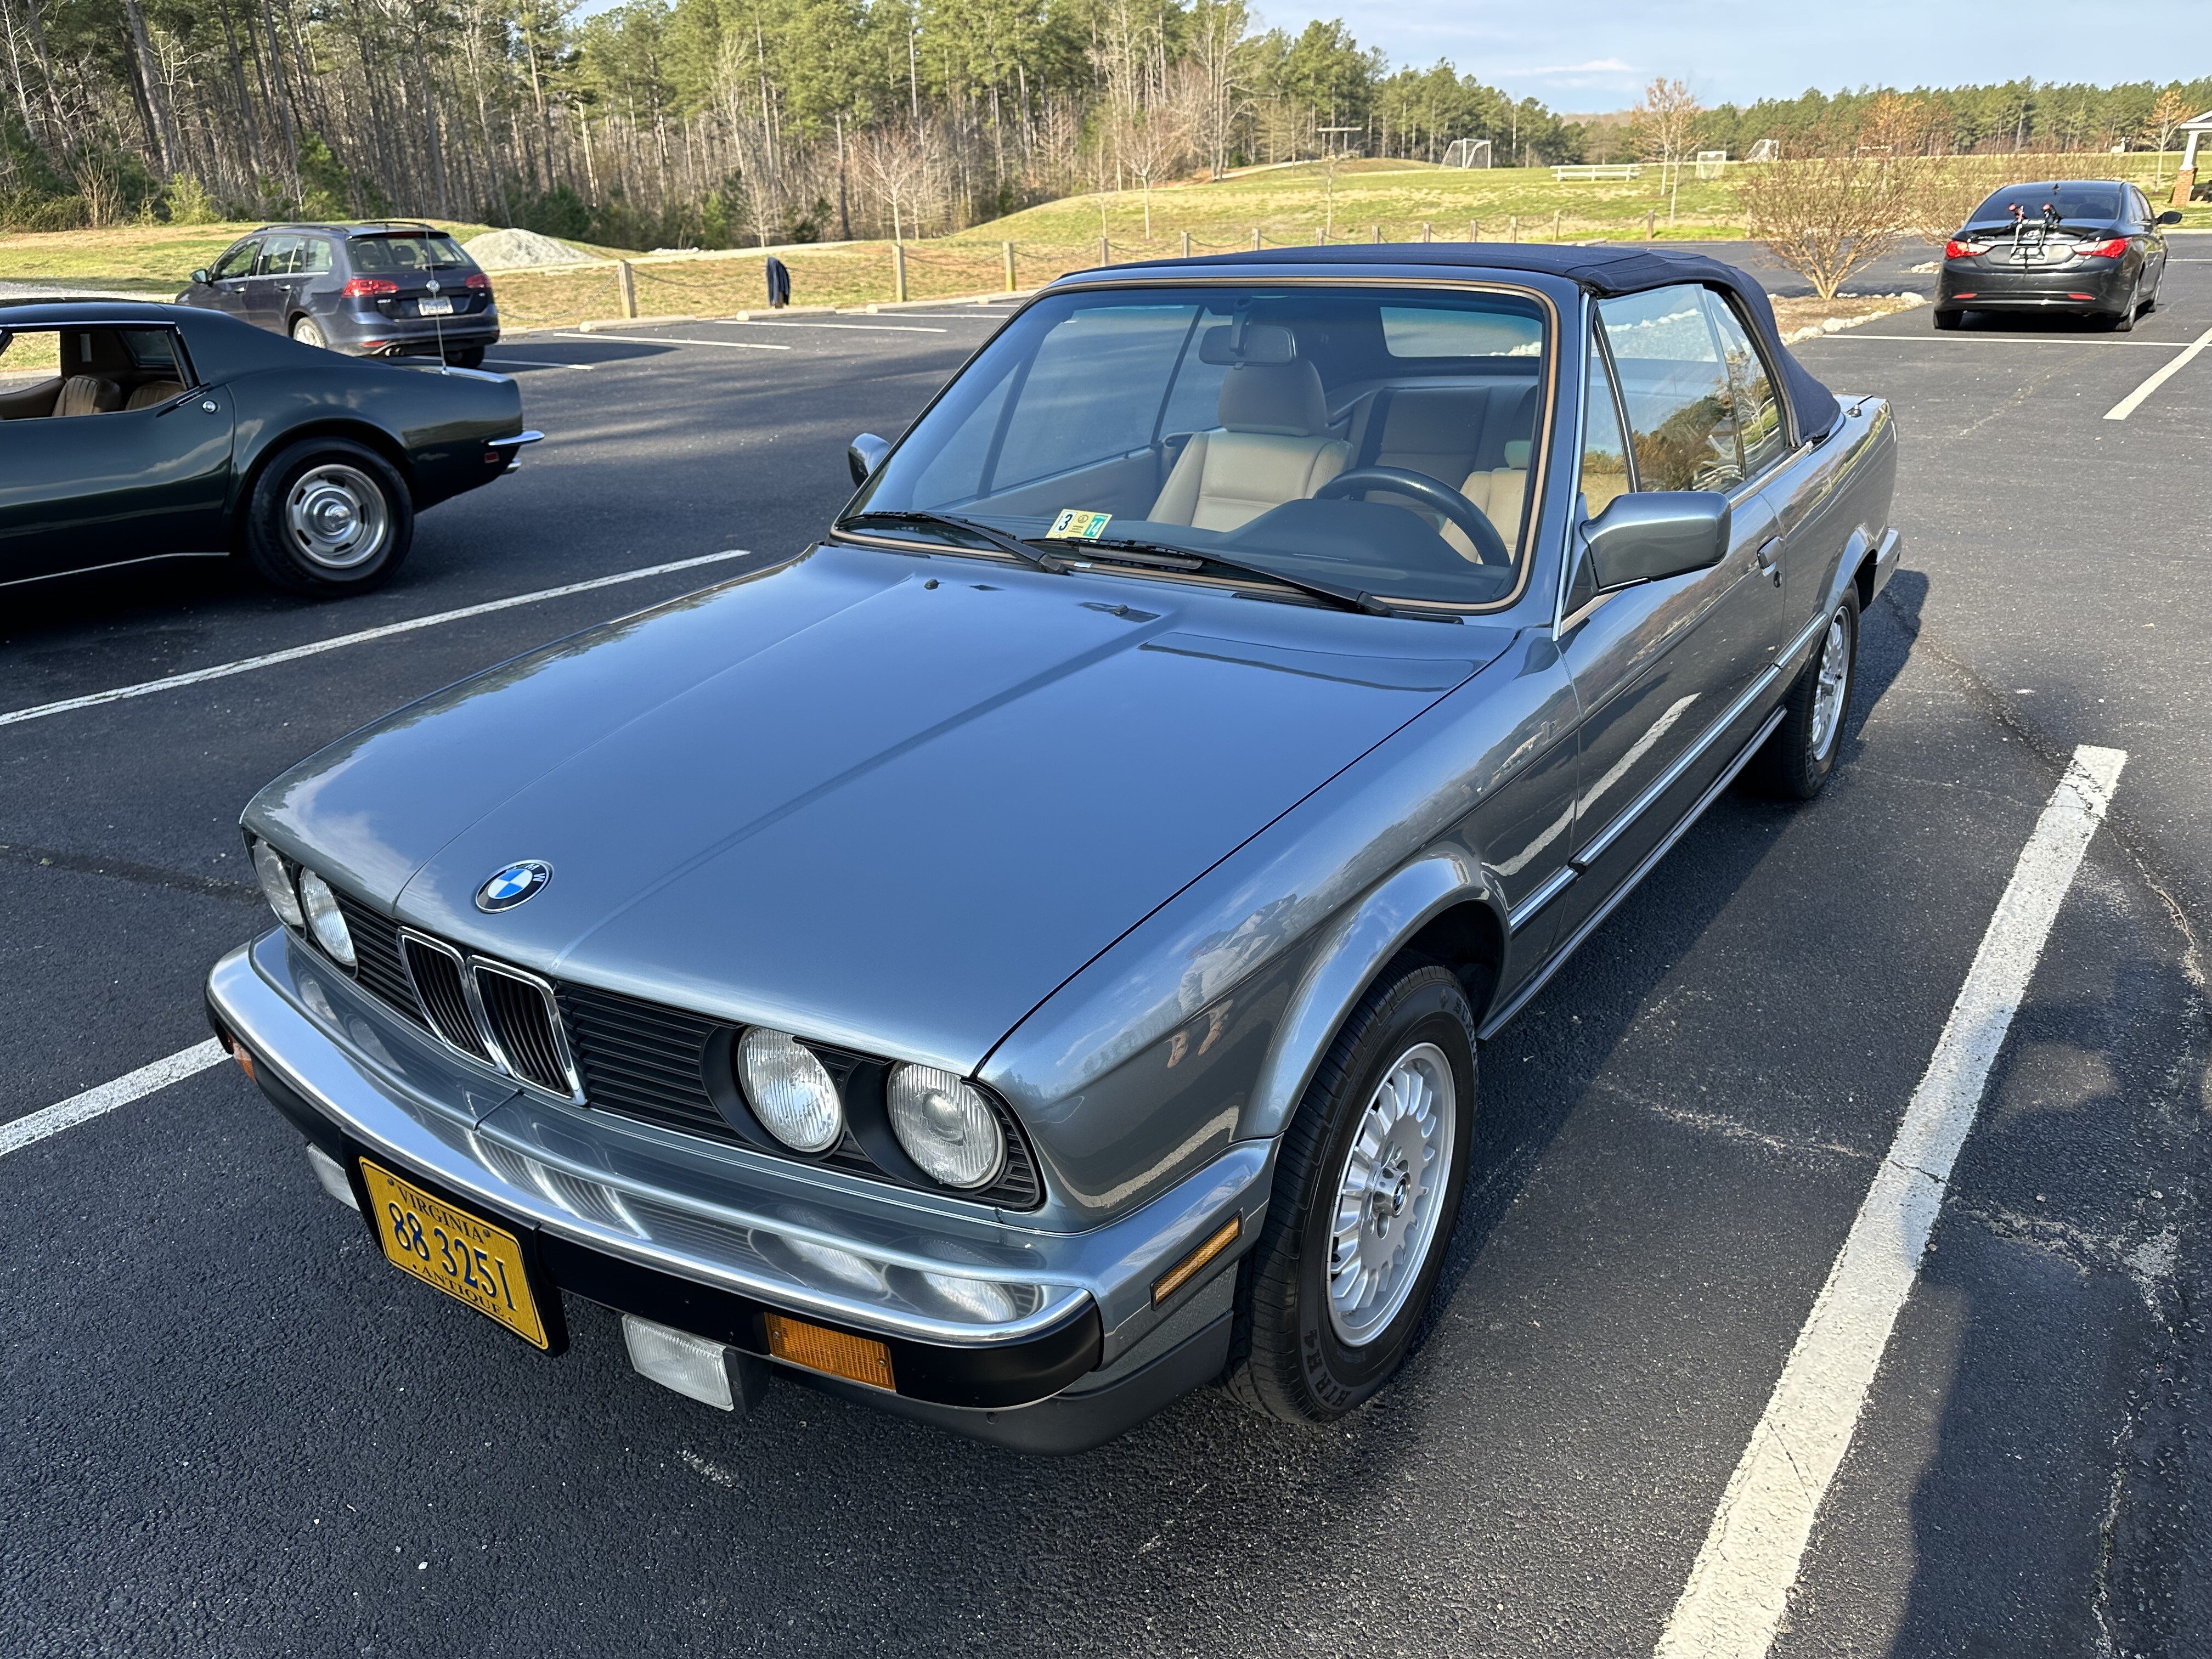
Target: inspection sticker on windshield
x,y
1083,526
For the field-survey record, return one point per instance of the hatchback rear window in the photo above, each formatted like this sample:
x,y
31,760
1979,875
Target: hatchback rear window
x,y
2074,200
395,255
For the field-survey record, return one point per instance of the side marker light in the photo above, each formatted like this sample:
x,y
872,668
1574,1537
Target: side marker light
x,y
855,1358
1182,1273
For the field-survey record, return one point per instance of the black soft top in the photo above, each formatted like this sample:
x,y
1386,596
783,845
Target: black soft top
x,y
1606,270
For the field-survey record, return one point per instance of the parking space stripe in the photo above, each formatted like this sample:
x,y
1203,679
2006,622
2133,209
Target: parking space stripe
x,y
671,339
1739,1587
2134,400
533,362
132,1085
800,322
1984,339
292,654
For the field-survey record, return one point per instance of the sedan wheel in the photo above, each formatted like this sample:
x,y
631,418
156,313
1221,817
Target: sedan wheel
x,y
327,517
307,332
2124,322
1367,1188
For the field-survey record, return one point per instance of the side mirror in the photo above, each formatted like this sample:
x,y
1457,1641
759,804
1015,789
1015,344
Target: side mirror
x,y
864,455
201,277
2169,218
1645,537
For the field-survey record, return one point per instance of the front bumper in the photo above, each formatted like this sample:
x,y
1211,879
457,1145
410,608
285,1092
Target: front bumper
x,y
2103,286
704,1239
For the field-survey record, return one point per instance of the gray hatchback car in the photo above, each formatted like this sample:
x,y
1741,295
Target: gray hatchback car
x,y
1027,954
385,289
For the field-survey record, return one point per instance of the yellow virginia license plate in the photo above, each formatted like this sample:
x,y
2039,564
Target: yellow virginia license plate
x,y
465,1257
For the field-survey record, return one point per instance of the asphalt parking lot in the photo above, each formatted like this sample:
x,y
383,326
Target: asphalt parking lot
x,y
231,1429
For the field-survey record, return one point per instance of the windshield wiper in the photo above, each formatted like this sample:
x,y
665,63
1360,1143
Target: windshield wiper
x,y
998,539
1346,599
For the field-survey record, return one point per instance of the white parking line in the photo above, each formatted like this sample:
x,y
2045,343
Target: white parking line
x,y
671,339
2133,401
132,1085
1739,1587
269,659
800,322
1985,339
532,363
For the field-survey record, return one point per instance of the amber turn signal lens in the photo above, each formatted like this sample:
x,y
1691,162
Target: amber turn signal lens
x,y
856,1358
237,1051
1182,1273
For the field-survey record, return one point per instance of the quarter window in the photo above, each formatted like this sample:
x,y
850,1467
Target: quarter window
x,y
1605,454
1674,382
1757,412
282,258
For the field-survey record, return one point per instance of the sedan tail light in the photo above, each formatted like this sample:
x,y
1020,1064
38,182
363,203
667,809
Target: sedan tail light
x,y
2111,250
368,288
477,279
1955,250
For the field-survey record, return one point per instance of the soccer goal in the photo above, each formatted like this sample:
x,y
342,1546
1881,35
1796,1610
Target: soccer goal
x,y
1468,153
1766,150
1711,163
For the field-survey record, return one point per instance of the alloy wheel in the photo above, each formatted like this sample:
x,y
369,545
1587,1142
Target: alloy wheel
x,y
1390,1194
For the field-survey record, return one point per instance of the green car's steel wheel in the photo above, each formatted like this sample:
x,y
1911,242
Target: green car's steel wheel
x,y
1800,757
326,517
307,332
1367,1186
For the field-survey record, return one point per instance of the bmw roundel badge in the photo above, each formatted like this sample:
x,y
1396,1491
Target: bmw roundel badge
x,y
509,887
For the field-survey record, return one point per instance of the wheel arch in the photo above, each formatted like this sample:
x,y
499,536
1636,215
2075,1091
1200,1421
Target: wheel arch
x,y
1443,907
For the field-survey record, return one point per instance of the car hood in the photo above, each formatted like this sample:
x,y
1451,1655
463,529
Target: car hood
x,y
883,801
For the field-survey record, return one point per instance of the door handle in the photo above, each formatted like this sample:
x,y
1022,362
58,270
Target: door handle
x,y
1767,562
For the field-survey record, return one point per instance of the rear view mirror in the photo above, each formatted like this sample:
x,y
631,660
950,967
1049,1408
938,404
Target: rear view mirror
x,y
1645,537
2169,218
200,277
864,455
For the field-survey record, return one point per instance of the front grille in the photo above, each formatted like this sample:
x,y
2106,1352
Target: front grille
x,y
522,1020
637,1059
436,971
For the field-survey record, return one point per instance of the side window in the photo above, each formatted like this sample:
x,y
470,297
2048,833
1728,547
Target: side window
x,y
1760,428
315,257
1605,452
238,261
283,257
1093,391
1675,383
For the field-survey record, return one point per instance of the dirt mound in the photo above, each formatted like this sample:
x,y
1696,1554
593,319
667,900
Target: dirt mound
x,y
517,250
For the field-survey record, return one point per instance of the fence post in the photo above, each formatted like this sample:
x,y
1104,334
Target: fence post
x,y
1321,234
1651,221
898,270
1255,238
1426,235
1378,232
1474,230
1556,218
1186,244
626,285
1105,252
1008,249
1512,227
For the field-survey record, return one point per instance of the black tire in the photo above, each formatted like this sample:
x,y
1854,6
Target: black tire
x,y
1288,1359
307,332
2123,322
1798,760
294,521
1950,319
466,356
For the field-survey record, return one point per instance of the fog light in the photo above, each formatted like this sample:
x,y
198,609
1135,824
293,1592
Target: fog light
x,y
714,1373
855,1358
333,1177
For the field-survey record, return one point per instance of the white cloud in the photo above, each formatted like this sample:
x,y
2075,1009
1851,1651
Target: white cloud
x,y
1598,66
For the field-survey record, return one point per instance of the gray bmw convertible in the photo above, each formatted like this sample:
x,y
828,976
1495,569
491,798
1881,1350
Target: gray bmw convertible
x,y
1027,955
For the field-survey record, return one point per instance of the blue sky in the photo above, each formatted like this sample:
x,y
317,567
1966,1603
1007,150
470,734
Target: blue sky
x,y
1588,55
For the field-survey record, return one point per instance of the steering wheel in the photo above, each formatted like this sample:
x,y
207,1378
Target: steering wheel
x,y
1473,523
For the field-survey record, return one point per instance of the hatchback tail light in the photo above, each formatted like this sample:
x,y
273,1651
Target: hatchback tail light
x,y
478,280
368,288
2111,250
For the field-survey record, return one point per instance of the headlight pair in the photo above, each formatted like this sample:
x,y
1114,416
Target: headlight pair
x,y
941,1122
303,899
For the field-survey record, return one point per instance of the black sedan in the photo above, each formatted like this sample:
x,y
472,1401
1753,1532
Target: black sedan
x,y
2093,247
132,431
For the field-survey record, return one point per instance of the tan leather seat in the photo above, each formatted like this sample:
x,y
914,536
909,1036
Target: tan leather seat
x,y
88,394
1498,492
1273,446
153,393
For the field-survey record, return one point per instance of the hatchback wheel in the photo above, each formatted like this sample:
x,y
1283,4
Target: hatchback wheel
x,y
466,356
1799,758
328,517
307,332
1367,1187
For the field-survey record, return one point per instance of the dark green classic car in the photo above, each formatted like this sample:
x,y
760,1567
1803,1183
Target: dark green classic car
x,y
132,431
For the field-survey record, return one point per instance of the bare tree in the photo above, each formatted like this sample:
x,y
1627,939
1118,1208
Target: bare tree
x,y
1828,217
897,164
1662,126
2167,113
1149,140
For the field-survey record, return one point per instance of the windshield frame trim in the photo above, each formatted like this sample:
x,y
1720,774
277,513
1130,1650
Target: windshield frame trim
x,y
1547,382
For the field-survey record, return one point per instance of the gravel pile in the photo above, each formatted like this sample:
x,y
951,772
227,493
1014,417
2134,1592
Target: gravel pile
x,y
518,250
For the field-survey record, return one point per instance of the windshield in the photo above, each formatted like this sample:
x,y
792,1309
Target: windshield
x,y
2075,202
1236,422
394,255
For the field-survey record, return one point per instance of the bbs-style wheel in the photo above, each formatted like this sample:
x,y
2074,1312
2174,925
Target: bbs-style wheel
x,y
307,332
1799,758
1367,1187
327,517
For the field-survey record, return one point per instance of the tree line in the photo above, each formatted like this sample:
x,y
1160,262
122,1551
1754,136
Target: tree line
x,y
719,123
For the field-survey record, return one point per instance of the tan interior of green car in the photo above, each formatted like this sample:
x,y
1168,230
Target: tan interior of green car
x,y
101,371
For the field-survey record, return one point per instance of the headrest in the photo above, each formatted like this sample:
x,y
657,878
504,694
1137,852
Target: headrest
x,y
1264,343
1284,398
1517,453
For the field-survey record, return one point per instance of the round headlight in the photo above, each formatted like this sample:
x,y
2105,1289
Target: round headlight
x,y
789,1090
277,884
946,1127
324,920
